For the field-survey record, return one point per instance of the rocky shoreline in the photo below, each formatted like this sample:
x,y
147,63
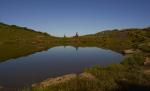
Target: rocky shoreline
x,y
62,79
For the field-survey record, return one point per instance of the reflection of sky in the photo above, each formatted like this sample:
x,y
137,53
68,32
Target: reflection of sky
x,y
59,17
54,62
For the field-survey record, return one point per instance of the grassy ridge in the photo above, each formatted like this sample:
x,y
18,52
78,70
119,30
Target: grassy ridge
x,y
115,39
18,41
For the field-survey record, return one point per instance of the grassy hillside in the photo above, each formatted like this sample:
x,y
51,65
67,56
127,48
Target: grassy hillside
x,y
115,39
18,41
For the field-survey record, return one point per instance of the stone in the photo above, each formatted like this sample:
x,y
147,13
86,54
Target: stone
x,y
147,61
57,80
87,75
129,51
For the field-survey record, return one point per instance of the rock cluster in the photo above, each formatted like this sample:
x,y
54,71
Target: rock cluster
x,y
129,51
57,80
62,79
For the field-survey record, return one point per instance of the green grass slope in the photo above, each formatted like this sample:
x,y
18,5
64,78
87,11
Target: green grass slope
x,y
18,41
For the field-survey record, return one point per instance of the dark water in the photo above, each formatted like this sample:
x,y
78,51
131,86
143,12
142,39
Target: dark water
x,y
54,62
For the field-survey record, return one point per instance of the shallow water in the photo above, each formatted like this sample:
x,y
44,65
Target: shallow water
x,y
56,61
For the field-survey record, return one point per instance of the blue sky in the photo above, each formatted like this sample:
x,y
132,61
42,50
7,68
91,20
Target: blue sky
x,y
59,17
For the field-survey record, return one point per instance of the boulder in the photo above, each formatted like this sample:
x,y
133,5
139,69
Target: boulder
x,y
147,61
87,75
53,81
129,51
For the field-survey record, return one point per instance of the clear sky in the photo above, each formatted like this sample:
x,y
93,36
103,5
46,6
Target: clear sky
x,y
59,17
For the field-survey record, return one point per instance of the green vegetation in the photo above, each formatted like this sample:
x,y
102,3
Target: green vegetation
x,y
134,60
20,41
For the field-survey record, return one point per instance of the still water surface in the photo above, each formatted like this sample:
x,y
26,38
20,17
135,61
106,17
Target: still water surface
x,y
56,61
